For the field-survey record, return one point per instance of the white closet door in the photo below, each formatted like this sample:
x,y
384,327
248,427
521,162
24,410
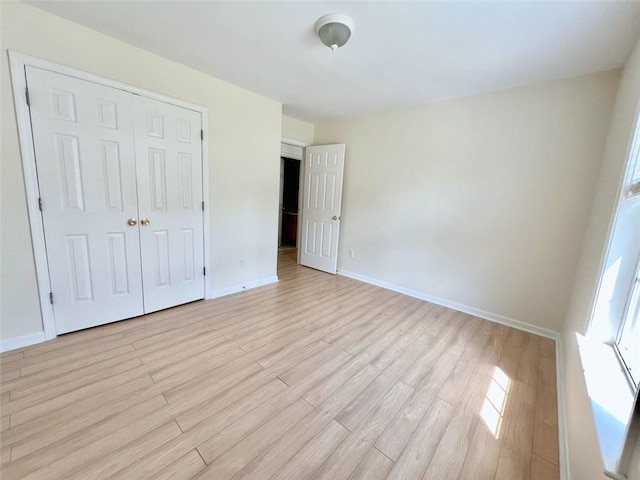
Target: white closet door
x,y
169,173
84,148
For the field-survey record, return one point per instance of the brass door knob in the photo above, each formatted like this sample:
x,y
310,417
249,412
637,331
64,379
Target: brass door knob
x,y
335,217
144,222
132,222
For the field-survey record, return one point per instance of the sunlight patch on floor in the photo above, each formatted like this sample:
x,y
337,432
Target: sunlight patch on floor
x,y
495,400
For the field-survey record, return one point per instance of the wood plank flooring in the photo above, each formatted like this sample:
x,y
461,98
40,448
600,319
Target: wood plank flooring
x,y
316,377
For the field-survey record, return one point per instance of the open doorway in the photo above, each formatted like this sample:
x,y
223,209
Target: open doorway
x,y
290,189
289,218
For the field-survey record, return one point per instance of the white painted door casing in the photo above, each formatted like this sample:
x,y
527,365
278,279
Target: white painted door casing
x,y
321,205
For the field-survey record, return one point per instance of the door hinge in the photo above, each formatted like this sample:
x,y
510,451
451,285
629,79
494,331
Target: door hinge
x,y
26,95
40,203
203,205
201,134
51,297
204,271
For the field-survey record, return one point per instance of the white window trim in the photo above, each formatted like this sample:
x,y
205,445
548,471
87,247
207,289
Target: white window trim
x,y
17,63
633,190
615,467
632,179
611,397
634,379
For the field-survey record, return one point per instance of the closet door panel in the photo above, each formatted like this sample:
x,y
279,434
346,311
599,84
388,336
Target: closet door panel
x,y
84,149
169,174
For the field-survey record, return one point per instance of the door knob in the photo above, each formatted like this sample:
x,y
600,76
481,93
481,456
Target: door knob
x,y
335,217
144,222
132,222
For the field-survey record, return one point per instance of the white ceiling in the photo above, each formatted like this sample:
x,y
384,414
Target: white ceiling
x,y
400,54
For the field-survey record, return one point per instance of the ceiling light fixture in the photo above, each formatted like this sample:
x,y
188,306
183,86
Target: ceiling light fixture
x,y
334,30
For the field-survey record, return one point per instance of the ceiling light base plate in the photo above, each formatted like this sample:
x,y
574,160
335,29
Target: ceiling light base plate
x,y
334,30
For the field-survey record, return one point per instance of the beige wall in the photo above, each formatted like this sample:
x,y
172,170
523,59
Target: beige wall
x,y
584,455
295,129
244,133
482,201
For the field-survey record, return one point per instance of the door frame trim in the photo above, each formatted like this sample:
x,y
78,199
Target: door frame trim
x,y
17,64
293,142
290,142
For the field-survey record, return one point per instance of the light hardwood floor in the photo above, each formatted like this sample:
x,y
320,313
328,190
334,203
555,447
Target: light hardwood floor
x,y
318,377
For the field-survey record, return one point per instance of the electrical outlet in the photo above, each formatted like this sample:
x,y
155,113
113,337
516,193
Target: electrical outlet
x,y
242,263
352,254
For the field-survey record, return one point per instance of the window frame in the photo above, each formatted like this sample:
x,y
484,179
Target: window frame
x,y
632,306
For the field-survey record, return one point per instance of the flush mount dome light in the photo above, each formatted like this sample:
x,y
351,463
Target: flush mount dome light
x,y
334,30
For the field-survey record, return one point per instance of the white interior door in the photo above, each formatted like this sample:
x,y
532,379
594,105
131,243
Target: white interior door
x,y
169,171
84,149
321,201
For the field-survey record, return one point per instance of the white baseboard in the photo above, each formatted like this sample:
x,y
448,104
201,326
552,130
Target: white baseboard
x,y
563,438
476,312
239,288
7,344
